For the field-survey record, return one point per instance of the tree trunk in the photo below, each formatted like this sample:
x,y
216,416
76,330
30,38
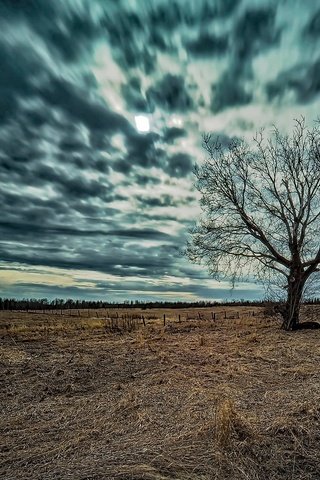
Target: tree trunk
x,y
293,303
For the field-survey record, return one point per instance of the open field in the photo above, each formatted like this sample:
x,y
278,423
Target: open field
x,y
233,398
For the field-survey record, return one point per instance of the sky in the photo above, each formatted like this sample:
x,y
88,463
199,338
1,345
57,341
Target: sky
x,y
103,104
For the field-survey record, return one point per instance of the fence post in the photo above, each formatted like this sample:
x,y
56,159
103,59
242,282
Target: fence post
x,y
144,322
179,318
225,314
164,319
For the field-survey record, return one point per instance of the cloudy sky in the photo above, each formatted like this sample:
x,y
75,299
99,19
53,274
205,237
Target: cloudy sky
x,y
91,207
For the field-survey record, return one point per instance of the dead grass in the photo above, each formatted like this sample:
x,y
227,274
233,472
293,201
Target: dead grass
x,y
201,399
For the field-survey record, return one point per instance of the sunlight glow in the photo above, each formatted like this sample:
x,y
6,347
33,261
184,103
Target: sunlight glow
x,y
142,123
176,121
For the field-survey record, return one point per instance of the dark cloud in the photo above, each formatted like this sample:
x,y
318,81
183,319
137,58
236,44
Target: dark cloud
x,y
75,102
218,9
164,201
110,258
303,80
37,116
16,79
313,26
255,31
135,38
159,201
149,215
60,36
147,234
173,133
160,42
18,148
70,186
171,94
28,169
136,56
207,45
31,10
122,165
141,151
46,228
179,165
42,290
166,18
99,140
72,143
125,31
57,23
132,93
229,92
144,180
170,15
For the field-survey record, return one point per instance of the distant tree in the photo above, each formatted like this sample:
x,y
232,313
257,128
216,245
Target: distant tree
x,y
261,211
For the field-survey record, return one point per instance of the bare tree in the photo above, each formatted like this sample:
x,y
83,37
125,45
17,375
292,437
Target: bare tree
x,y
261,211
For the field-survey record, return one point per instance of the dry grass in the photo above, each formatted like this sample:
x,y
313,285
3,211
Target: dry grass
x,y
231,399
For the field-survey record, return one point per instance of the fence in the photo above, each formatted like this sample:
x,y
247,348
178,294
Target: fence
x,y
116,322
130,322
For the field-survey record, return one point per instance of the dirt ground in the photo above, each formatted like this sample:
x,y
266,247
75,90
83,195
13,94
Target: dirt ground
x,y
198,399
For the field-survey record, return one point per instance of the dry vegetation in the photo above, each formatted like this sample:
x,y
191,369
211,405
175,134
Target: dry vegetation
x,y
196,400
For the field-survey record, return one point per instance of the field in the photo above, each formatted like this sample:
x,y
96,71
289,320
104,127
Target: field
x,y
90,398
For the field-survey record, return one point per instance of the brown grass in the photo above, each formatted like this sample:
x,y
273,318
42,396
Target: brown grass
x,y
201,399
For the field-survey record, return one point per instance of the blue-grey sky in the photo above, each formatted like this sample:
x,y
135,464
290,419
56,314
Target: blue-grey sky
x,y
91,207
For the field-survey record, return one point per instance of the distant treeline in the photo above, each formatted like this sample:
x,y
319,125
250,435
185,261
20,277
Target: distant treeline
x,y
61,304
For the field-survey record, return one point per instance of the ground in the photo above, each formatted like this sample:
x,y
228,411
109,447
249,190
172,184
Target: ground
x,y
199,399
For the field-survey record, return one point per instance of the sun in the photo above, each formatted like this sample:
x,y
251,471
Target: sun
x,y
142,123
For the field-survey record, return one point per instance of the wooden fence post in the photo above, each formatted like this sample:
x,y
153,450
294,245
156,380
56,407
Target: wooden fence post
x,y
164,319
